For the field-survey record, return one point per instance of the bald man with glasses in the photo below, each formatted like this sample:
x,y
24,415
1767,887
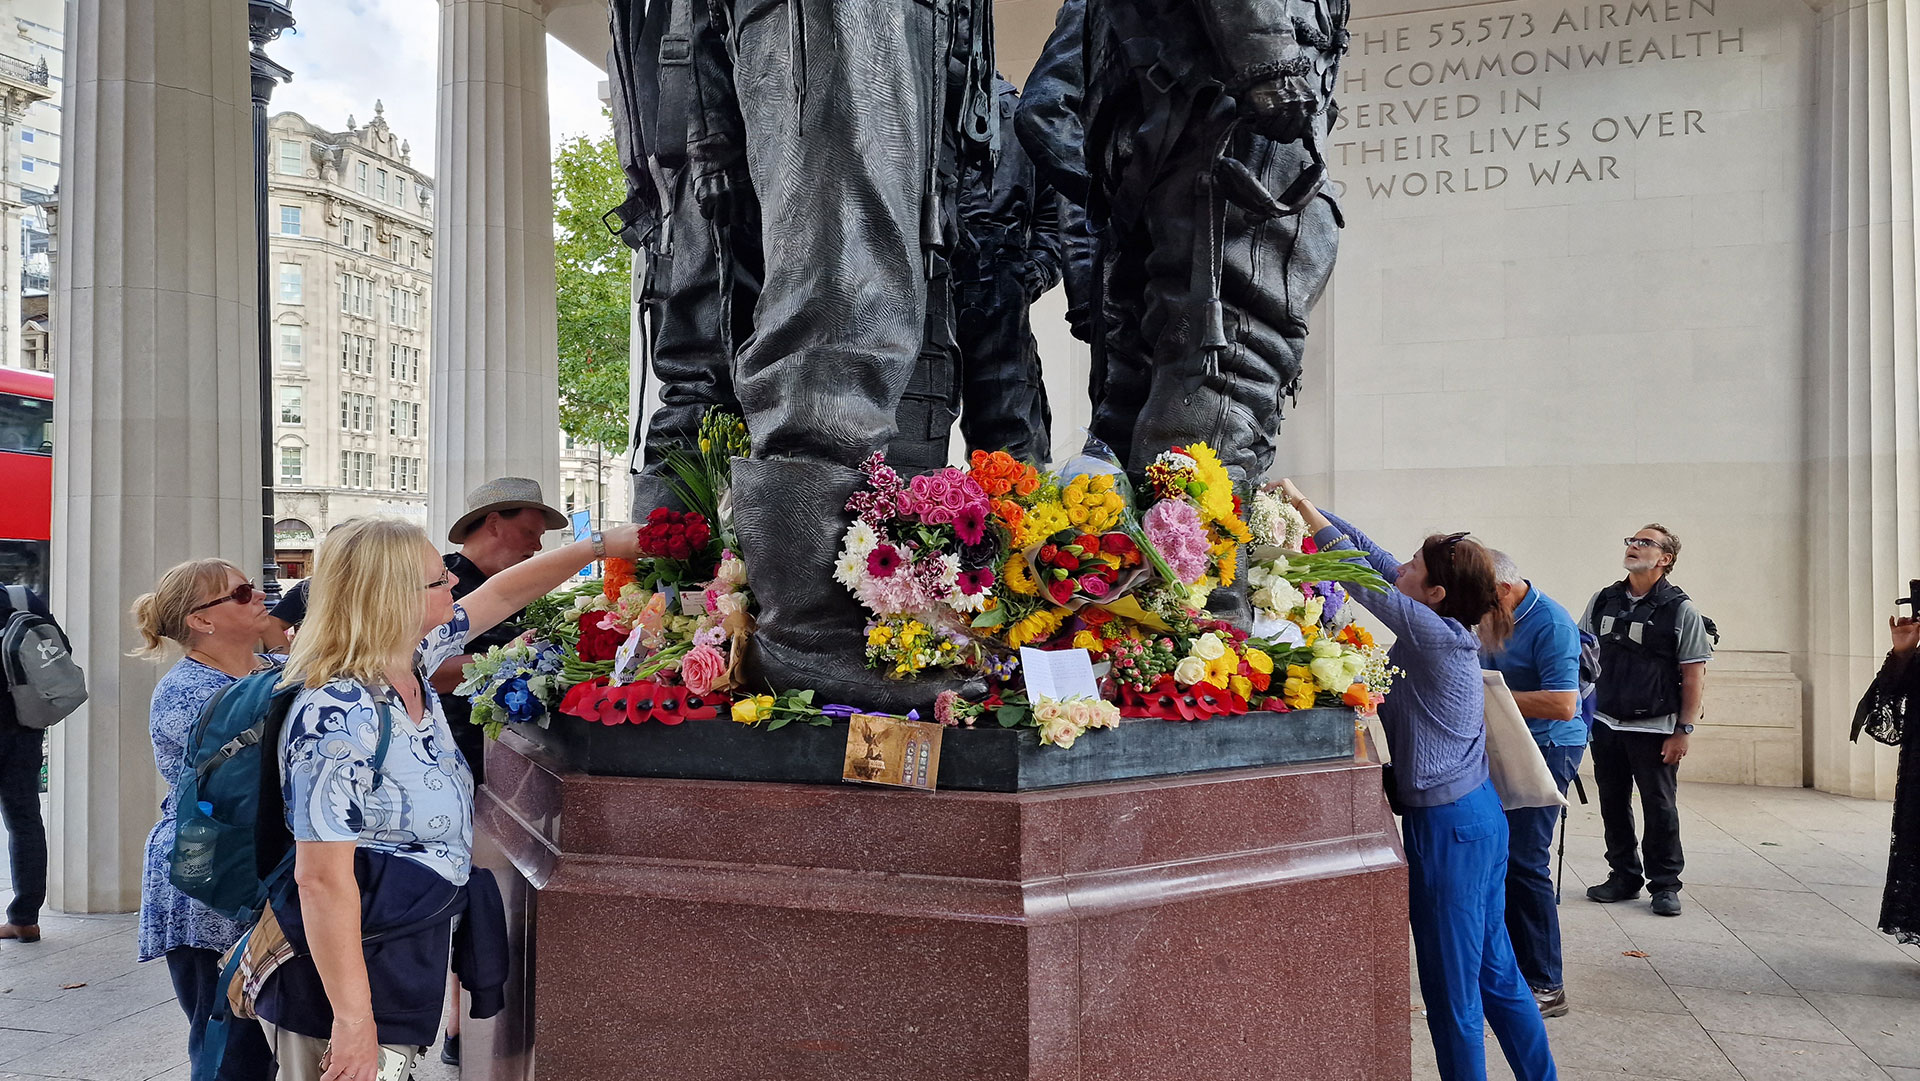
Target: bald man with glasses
x,y
1654,647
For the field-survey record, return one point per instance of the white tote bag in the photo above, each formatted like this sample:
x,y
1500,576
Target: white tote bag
x,y
1519,770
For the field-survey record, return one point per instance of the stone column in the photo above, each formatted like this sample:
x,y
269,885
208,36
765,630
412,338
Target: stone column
x,y
1864,388
156,415
493,408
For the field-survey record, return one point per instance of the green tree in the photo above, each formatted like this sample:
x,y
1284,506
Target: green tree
x,y
592,271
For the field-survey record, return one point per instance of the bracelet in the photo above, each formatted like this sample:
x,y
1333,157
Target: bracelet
x,y
599,544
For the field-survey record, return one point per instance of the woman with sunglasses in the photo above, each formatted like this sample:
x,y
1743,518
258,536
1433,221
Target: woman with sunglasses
x,y
383,838
208,608
1443,609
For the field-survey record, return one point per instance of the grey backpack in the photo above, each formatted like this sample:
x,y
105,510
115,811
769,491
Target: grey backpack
x,y
40,674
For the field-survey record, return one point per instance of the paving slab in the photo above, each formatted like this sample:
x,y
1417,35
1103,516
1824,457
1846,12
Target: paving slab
x,y
1766,1058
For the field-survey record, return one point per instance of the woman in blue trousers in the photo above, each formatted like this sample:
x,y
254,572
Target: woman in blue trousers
x,y
1454,830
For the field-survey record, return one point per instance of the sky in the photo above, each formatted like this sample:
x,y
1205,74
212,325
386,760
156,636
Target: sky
x,y
347,53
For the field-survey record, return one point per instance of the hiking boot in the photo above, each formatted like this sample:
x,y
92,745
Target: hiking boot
x,y
1666,903
1552,1003
1614,889
22,932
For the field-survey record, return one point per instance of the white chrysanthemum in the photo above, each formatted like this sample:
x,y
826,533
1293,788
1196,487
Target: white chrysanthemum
x,y
861,538
850,569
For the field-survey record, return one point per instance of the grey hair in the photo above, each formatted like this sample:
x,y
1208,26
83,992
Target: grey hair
x,y
1504,570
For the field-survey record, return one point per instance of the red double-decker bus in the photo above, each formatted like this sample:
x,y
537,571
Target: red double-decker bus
x,y
26,476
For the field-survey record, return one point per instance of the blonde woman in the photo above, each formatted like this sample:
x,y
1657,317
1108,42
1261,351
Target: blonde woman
x,y
385,852
208,609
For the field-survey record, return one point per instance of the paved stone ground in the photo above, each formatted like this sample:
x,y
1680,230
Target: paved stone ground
x,y
1774,973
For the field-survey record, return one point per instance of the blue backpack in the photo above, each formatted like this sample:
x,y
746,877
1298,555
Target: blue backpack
x,y
233,843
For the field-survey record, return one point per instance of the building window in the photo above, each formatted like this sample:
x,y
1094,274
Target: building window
x,y
356,354
289,221
403,474
393,248
26,165
356,296
360,177
357,412
293,462
290,404
403,363
291,283
400,191
356,469
346,233
380,184
26,136
290,347
290,156
366,238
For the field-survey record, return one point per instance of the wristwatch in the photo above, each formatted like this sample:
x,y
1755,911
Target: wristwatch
x,y
1686,729
599,544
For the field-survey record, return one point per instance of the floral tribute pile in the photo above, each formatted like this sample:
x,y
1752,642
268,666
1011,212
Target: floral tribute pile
x,y
649,640
958,569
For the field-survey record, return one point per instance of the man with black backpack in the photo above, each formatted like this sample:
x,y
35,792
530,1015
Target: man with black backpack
x,y
30,642
1654,647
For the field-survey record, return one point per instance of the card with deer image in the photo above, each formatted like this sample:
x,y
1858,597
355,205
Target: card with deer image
x,y
892,751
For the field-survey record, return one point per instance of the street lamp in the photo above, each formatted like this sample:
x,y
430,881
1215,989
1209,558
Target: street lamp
x,y
266,21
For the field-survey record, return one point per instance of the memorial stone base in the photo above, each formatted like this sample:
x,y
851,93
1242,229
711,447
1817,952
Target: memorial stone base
x,y
1240,924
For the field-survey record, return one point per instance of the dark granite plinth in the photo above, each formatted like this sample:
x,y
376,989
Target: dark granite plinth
x,y
984,759
1227,926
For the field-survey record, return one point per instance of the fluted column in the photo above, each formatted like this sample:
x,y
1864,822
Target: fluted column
x,y
156,415
1864,453
493,399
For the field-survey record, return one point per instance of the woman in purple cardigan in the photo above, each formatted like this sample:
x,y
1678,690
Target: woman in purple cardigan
x,y
1442,608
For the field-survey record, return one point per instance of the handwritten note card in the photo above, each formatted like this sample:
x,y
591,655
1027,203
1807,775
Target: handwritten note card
x,y
1058,674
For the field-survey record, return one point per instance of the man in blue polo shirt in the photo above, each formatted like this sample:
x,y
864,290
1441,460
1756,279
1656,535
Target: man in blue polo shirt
x,y
1541,663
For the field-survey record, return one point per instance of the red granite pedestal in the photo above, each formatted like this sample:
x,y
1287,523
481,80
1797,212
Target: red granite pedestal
x,y
1211,927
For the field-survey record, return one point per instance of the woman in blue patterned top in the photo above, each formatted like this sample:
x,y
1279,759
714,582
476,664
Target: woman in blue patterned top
x,y
382,618
1442,607
210,609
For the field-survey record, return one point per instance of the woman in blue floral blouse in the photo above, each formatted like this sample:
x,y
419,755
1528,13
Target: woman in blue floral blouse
x,y
382,620
210,609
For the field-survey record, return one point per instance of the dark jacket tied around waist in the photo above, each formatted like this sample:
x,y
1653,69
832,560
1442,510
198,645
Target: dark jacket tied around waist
x,y
407,924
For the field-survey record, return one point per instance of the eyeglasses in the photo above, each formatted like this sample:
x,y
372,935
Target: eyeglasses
x,y
445,577
1643,542
242,594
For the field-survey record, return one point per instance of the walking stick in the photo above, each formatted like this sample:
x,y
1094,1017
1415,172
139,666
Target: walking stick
x,y
1564,811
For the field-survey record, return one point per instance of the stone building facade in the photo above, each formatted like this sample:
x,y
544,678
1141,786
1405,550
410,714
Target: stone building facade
x,y
350,245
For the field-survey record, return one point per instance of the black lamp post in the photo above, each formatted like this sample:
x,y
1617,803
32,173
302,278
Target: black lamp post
x,y
267,20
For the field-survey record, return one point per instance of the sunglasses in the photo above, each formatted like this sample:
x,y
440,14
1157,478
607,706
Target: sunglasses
x,y
242,594
1453,540
1643,542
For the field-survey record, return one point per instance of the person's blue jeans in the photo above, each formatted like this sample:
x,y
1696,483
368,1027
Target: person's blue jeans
x,y
1533,917
196,978
1456,881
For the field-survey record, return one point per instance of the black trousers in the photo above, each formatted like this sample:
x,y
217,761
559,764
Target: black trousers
x,y
196,974
1621,762
20,807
